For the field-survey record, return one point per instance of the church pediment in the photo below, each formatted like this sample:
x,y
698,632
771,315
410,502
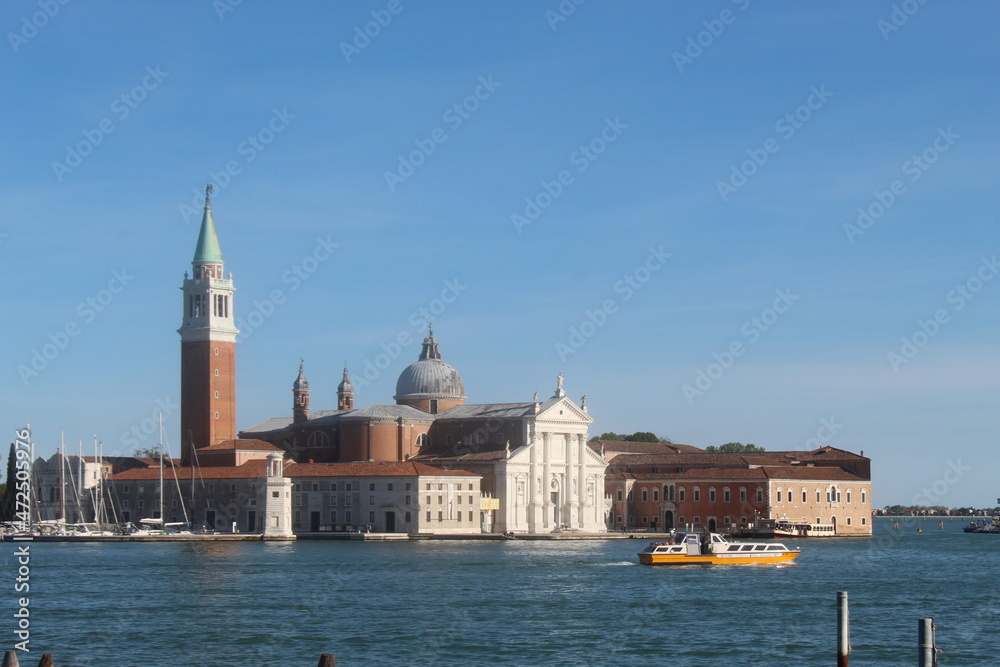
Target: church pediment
x,y
562,410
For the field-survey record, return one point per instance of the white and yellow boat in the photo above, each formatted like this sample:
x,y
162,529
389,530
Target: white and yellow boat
x,y
714,549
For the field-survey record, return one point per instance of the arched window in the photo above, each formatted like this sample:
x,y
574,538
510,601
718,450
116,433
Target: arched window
x,y
318,439
421,440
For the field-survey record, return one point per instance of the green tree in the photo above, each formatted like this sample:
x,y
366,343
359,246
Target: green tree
x,y
734,448
638,436
147,453
643,436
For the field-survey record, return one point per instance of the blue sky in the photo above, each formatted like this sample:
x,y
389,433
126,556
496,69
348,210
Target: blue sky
x,y
682,173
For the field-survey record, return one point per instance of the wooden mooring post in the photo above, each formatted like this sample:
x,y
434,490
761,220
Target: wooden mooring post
x,y
843,630
925,642
10,660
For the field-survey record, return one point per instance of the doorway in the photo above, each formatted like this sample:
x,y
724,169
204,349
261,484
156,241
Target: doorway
x,y
668,520
314,522
712,525
390,522
251,521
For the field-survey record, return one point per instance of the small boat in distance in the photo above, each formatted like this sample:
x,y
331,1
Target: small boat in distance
x,y
714,549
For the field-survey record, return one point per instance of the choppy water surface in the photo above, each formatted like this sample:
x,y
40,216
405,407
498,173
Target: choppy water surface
x,y
516,602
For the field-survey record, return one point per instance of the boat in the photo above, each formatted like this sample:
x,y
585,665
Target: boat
x,y
714,549
984,526
785,527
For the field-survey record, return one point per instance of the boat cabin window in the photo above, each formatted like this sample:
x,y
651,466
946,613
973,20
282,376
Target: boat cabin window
x,y
747,547
774,547
760,547
734,547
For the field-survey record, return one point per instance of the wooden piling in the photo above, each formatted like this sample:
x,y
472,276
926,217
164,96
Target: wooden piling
x,y
10,659
327,660
925,642
843,630
46,661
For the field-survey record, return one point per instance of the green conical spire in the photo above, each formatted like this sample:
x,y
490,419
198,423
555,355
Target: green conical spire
x,y
208,250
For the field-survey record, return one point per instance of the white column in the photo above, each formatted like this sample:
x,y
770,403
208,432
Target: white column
x,y
570,497
581,473
546,480
533,482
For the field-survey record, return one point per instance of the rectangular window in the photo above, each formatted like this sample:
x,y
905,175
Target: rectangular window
x,y
460,500
470,486
428,500
428,515
347,500
645,520
348,517
656,495
470,516
743,495
406,518
440,516
371,487
333,516
645,495
275,494
697,520
371,517
619,496
711,495
848,521
760,495
315,486
817,495
125,490
232,488
725,495
407,500
389,487
470,500
680,494
863,520
779,496
697,495
371,500
862,497
347,487
440,500
428,486
848,497
408,486
803,496
298,499
333,487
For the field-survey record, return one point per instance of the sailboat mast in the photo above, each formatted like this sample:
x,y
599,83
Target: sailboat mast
x,y
162,521
62,475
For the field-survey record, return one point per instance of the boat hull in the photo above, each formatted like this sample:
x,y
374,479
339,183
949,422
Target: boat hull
x,y
719,559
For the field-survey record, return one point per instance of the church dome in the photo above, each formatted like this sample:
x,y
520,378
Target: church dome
x,y
429,377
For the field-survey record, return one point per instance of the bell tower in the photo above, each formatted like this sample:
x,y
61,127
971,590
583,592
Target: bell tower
x,y
300,396
345,393
208,346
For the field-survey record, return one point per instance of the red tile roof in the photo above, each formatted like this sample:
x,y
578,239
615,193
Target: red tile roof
x,y
248,470
643,447
241,444
370,469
